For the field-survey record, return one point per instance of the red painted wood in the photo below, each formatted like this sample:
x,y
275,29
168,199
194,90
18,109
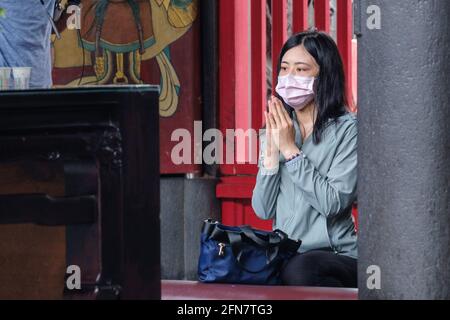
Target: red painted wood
x,y
227,74
355,215
250,180
236,82
355,74
299,15
230,169
252,219
236,212
259,62
234,191
193,290
344,40
242,116
239,218
236,187
228,214
322,15
279,35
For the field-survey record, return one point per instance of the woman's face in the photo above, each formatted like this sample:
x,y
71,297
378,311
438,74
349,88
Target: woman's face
x,y
299,62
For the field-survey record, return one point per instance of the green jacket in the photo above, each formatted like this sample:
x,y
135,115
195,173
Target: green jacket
x,y
310,198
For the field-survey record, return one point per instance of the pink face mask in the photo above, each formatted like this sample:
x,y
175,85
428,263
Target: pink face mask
x,y
296,91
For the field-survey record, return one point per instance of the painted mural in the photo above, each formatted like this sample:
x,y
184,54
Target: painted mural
x,y
135,42
117,36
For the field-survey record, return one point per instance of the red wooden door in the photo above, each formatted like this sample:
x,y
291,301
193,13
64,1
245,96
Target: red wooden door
x,y
243,90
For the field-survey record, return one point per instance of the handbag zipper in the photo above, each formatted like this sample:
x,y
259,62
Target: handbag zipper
x,y
221,251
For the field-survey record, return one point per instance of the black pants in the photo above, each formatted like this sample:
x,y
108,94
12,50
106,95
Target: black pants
x,y
320,268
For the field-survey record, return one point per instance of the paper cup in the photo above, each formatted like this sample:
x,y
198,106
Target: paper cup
x,y
5,78
21,78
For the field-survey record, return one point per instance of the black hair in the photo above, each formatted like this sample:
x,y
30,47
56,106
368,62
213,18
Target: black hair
x,y
330,99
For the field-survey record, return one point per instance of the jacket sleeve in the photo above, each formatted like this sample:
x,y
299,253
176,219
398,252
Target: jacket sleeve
x,y
333,193
265,193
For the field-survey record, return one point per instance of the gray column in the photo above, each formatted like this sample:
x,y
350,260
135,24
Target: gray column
x,y
404,149
185,204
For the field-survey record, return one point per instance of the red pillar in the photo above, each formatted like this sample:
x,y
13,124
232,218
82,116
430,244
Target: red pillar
x,y
259,62
322,15
299,15
279,34
344,40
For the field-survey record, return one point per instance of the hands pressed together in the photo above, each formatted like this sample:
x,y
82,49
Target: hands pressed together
x,y
280,134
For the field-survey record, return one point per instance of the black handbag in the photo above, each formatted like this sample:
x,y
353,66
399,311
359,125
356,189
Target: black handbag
x,y
243,255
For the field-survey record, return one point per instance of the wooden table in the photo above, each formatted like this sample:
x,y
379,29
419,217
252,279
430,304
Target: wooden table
x,y
107,141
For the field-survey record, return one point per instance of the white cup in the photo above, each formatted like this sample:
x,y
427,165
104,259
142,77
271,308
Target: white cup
x,y
5,78
21,77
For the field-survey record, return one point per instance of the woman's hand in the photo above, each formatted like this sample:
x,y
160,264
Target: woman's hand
x,y
282,129
271,155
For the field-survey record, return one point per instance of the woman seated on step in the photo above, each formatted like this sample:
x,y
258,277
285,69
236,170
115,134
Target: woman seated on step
x,y
307,172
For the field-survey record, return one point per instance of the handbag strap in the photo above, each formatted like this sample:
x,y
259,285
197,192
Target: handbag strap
x,y
275,238
249,233
236,245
